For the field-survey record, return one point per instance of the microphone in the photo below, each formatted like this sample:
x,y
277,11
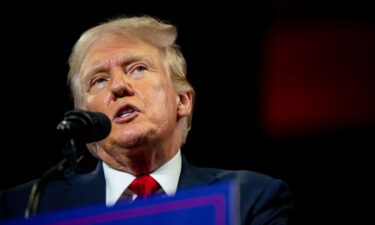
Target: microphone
x,y
77,127
84,126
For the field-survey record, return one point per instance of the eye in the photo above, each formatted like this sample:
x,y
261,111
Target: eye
x,y
98,83
140,69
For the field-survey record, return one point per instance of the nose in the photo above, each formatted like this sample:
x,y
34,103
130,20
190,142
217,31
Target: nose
x,y
121,86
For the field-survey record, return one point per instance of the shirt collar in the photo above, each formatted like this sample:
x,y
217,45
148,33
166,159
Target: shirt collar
x,y
167,176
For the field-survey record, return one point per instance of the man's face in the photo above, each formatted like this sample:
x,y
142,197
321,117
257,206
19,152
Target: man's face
x,y
126,79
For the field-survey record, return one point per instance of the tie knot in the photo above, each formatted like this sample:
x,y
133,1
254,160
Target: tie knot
x,y
144,186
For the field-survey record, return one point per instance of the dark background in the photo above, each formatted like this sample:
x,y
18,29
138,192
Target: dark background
x,y
285,88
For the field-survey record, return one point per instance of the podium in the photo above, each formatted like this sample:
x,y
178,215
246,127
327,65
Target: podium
x,y
213,205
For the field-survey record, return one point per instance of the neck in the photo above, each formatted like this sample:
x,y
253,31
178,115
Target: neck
x,y
139,160
144,157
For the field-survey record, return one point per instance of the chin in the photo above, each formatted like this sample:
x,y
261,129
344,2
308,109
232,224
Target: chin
x,y
133,134
134,139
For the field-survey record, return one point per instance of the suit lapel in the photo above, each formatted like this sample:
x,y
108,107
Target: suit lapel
x,y
192,176
90,187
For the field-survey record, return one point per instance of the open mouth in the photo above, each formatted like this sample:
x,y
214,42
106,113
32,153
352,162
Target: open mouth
x,y
125,111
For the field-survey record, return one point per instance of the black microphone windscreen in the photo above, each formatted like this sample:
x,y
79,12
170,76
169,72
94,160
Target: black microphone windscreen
x,y
85,126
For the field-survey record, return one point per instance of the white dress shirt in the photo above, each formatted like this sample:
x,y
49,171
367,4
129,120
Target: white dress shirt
x,y
117,181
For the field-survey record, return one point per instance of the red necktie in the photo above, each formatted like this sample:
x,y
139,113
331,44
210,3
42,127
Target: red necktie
x,y
144,186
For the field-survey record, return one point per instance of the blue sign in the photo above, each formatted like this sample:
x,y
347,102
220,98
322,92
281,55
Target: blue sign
x,y
214,205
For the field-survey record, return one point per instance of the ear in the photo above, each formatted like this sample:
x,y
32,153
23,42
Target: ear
x,y
184,104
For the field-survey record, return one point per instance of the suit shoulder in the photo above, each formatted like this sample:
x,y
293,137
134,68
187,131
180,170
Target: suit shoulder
x,y
17,191
262,198
13,200
248,177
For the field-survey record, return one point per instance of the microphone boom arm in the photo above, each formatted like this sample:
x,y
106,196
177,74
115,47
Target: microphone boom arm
x,y
77,128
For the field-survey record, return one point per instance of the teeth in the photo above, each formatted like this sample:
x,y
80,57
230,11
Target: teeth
x,y
125,115
126,112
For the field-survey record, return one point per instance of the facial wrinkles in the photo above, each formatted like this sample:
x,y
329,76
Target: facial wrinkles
x,y
105,63
125,49
108,54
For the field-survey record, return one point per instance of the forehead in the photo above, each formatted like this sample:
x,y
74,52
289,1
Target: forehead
x,y
115,49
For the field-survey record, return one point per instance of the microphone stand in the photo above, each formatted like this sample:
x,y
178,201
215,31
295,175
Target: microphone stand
x,y
77,128
64,167
38,187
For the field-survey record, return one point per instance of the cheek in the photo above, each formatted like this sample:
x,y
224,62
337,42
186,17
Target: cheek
x,y
97,102
166,104
160,98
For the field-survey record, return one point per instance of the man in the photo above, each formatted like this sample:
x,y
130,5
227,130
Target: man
x,y
131,70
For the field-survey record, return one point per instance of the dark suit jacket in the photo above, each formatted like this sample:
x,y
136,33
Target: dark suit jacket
x,y
263,200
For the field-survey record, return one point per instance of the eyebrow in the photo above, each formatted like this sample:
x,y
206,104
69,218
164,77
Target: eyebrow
x,y
103,65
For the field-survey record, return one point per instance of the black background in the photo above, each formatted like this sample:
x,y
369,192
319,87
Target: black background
x,y
328,171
